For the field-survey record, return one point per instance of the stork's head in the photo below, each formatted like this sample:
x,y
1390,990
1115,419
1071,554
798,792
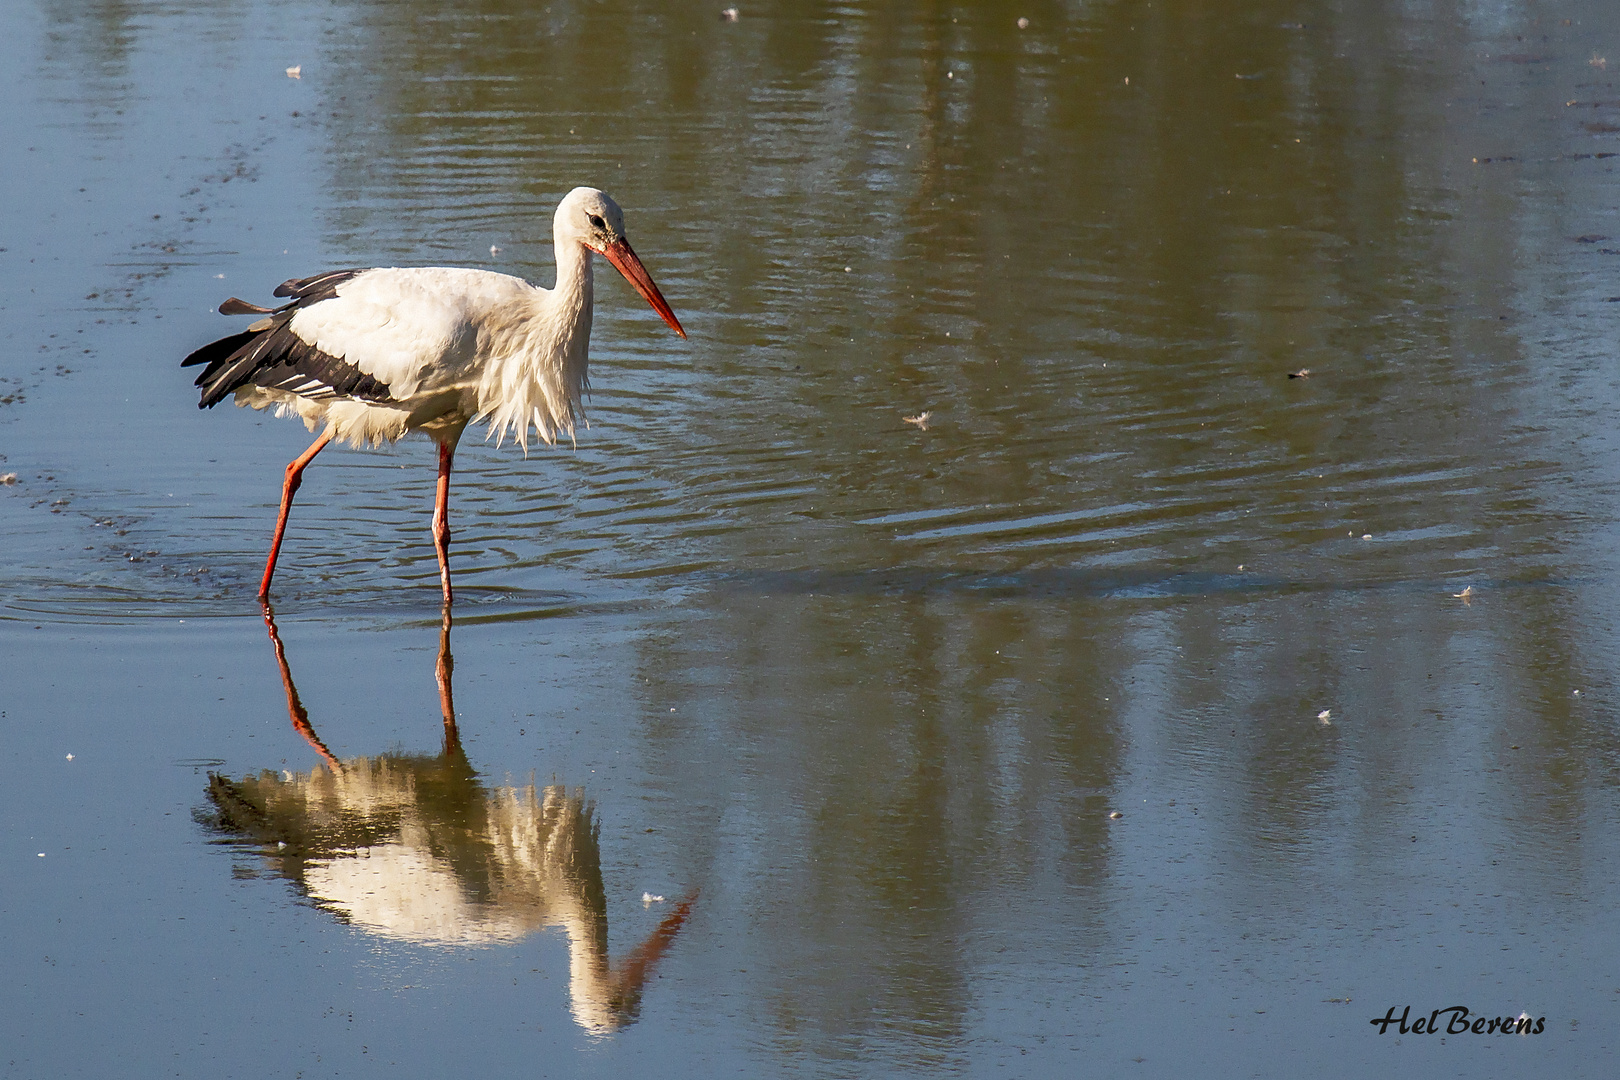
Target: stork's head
x,y
591,218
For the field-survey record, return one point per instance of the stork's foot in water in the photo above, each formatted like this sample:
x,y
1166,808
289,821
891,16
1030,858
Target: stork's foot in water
x,y
441,520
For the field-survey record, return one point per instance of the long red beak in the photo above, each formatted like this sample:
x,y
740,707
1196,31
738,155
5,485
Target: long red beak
x,y
619,254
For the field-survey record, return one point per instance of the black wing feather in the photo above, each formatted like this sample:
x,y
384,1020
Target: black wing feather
x,y
314,289
218,351
235,306
269,354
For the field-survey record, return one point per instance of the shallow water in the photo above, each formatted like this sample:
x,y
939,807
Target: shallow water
x,y
863,695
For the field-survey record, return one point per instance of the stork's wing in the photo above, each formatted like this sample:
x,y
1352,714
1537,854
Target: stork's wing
x,y
271,354
378,335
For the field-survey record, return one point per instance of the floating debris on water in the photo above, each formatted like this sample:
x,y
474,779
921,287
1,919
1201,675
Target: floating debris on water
x,y
650,898
1114,815
921,419
1302,373
296,72
730,14
1466,596
1326,716
1023,23
8,479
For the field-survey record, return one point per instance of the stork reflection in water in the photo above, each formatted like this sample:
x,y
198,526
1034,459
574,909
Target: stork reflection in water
x,y
415,848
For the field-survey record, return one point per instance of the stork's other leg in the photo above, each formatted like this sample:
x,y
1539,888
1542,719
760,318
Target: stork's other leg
x,y
295,477
441,518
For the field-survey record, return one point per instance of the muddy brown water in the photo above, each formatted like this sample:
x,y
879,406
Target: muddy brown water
x,y
1230,658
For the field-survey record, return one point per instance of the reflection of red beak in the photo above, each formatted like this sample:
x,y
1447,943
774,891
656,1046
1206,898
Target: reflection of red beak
x,y
619,254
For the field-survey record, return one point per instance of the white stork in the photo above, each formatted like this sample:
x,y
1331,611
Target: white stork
x,y
369,355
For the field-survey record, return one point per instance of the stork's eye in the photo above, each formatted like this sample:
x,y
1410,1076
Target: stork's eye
x,y
596,221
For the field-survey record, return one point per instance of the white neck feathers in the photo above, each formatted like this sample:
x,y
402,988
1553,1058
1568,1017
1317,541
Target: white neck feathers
x,y
537,373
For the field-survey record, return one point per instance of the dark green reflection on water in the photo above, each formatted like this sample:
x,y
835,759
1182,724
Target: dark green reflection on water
x,y
1094,249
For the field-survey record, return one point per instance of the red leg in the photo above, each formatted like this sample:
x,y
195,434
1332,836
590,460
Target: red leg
x,y
295,477
295,706
441,519
442,673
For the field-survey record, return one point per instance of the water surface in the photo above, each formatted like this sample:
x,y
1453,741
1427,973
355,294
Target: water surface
x,y
1227,658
